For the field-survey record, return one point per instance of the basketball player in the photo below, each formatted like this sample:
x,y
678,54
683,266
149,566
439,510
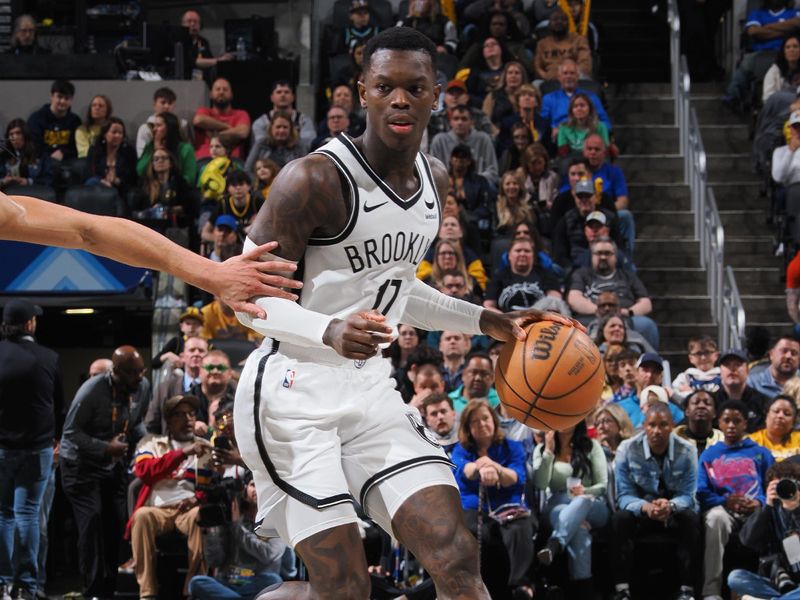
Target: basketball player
x,y
317,417
238,279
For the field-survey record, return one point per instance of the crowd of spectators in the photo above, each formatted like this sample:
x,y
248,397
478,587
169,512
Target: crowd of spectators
x,y
538,215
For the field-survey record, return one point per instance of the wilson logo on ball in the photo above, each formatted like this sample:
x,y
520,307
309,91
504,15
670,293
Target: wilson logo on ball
x,y
544,342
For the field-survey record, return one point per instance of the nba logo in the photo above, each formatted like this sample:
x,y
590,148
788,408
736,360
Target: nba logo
x,y
288,379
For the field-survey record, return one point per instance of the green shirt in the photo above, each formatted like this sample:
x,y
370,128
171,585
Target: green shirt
x,y
187,164
574,137
551,473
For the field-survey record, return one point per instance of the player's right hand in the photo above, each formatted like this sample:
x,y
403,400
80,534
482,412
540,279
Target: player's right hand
x,y
358,336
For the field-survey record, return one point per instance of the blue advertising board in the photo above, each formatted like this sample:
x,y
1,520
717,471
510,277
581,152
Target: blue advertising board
x,y
32,269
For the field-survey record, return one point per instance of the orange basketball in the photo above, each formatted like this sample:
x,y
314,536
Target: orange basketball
x,y
551,380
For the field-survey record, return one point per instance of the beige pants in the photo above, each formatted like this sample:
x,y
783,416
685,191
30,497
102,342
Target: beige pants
x,y
148,523
719,524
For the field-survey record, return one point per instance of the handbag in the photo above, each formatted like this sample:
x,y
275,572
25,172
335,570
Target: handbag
x,y
505,513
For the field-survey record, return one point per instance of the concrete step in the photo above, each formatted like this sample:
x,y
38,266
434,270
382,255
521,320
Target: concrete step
x,y
720,166
745,252
648,197
763,278
662,89
745,222
670,280
660,110
764,307
681,308
738,194
646,139
725,139
664,223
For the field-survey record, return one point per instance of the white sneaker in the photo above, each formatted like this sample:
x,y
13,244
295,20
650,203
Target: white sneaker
x,y
5,593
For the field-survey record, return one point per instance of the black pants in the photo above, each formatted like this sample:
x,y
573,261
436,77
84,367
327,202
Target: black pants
x,y
684,526
99,504
517,538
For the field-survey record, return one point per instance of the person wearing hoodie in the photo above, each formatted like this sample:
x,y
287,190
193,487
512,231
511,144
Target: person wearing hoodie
x,y
53,126
730,486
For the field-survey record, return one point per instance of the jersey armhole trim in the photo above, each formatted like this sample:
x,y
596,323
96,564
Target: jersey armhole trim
x,y
429,173
354,199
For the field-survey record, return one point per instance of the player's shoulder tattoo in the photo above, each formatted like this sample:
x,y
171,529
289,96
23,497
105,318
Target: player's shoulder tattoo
x,y
305,199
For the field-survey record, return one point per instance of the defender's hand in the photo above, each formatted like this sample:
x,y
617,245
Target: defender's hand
x,y
509,326
243,277
358,336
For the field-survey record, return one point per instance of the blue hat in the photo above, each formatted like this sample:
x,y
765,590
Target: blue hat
x,y
226,221
651,358
733,352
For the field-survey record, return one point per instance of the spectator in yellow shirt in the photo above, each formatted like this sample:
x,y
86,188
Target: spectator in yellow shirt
x,y
779,436
220,322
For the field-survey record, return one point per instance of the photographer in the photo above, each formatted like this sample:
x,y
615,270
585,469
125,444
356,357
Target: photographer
x,y
227,460
249,563
773,532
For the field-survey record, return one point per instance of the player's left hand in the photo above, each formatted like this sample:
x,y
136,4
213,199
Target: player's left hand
x,y
243,277
510,326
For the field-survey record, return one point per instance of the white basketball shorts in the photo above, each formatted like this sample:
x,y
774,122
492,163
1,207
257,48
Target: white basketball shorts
x,y
319,436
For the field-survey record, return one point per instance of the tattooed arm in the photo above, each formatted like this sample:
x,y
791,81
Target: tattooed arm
x,y
309,198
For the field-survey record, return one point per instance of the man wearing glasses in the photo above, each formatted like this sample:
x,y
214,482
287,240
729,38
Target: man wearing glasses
x,y
588,283
172,467
104,422
216,388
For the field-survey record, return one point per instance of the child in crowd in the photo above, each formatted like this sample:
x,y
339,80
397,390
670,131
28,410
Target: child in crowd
x,y
239,202
704,372
190,324
212,176
264,173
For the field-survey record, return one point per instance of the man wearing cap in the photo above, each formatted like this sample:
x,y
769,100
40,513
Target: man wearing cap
x,y
456,94
226,238
733,372
581,225
31,405
463,132
360,30
171,467
179,381
784,359
190,324
649,374
785,160
103,424
587,283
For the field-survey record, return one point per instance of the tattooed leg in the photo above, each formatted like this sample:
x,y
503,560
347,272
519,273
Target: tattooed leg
x,y
337,568
430,524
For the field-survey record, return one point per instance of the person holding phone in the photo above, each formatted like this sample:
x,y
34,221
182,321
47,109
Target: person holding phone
x,y
104,422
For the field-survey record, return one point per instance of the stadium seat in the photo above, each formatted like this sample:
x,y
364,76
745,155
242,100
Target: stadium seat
x,y
43,192
96,199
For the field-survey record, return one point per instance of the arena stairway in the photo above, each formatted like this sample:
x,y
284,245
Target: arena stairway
x,y
666,254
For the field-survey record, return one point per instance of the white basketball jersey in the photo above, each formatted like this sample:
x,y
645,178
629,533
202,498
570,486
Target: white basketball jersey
x,y
371,263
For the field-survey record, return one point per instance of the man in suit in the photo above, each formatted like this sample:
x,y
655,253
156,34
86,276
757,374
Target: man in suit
x,y
31,404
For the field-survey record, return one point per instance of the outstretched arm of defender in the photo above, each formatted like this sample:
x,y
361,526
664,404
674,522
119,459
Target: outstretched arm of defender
x,y
236,280
308,198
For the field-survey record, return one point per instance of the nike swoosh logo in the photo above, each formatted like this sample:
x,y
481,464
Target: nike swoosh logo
x,y
374,206
429,204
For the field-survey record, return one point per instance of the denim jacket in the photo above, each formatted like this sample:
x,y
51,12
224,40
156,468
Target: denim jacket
x,y
636,472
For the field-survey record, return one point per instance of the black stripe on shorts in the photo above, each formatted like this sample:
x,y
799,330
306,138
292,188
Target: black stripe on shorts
x,y
397,468
269,465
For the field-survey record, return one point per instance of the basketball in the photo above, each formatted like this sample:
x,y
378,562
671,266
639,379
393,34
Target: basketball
x,y
552,379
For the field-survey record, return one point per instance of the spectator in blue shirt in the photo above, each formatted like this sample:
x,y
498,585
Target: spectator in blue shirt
x,y
484,457
766,29
656,477
555,105
784,359
730,486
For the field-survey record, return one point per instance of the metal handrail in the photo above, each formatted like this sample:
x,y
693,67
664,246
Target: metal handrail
x,y
727,311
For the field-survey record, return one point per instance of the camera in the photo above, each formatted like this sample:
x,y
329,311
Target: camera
x,y
786,489
217,510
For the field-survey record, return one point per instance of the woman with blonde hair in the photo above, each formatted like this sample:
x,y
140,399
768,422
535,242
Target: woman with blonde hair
x,y
612,426
447,256
792,388
502,101
98,114
513,202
